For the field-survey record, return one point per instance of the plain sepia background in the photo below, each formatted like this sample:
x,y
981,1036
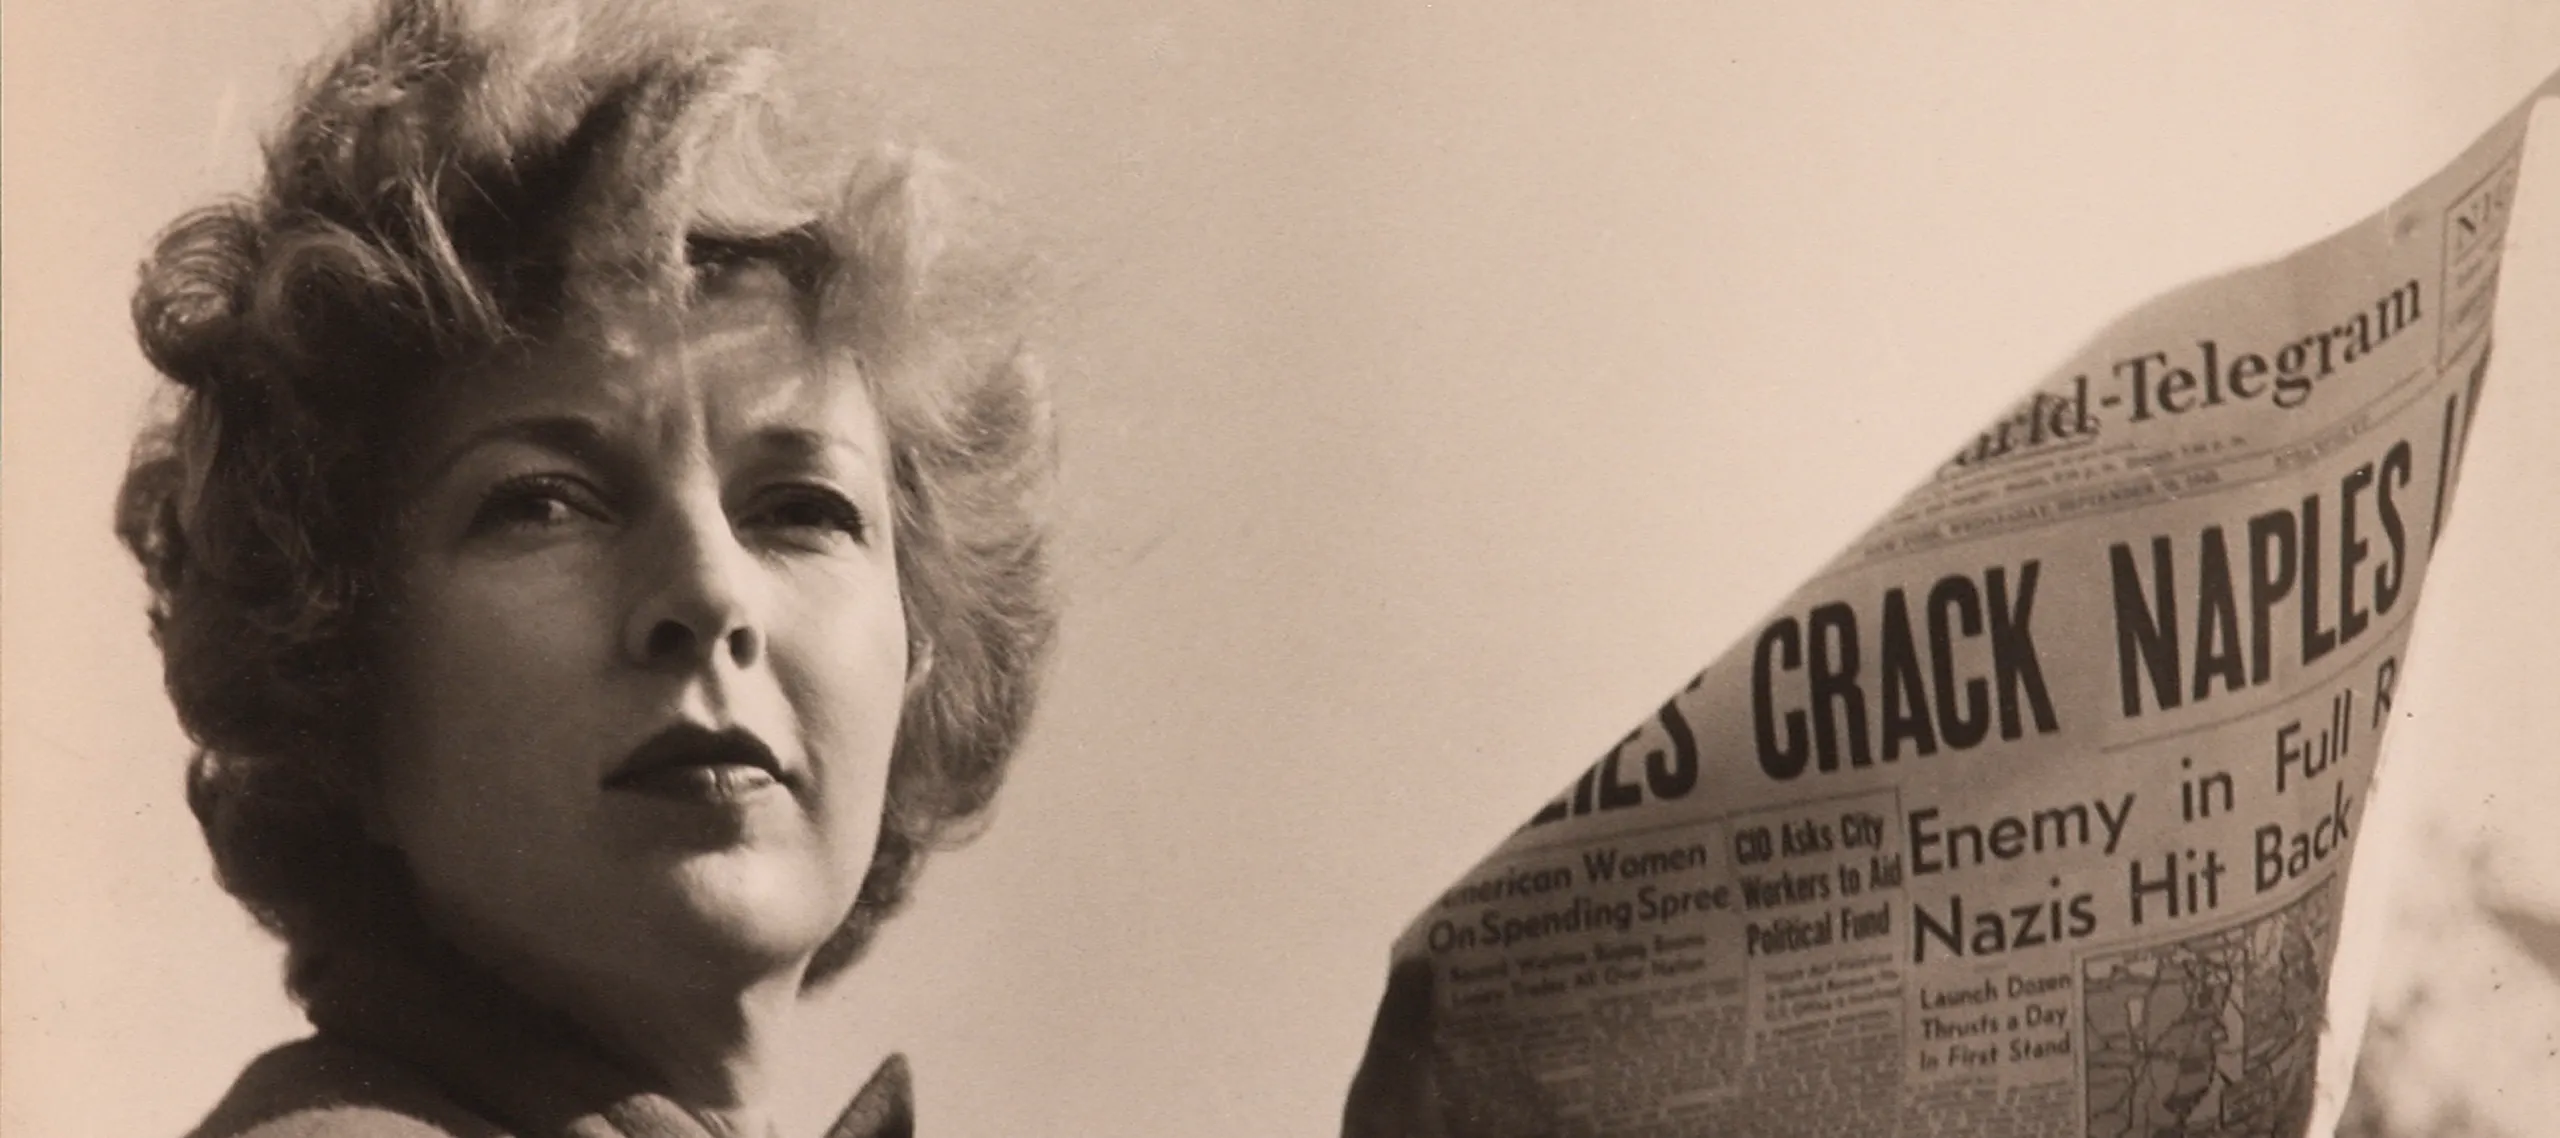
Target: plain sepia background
x,y
1442,385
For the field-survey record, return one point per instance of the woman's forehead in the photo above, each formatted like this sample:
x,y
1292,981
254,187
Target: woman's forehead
x,y
731,365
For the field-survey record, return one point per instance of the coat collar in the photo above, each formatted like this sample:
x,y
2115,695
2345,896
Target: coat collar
x,y
521,1066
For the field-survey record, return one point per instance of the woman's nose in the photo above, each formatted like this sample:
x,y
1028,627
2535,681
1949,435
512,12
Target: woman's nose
x,y
695,607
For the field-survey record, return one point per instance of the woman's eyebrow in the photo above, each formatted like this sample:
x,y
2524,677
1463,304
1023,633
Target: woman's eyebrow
x,y
575,436
806,445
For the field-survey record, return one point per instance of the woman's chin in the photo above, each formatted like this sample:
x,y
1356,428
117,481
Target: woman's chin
x,y
736,907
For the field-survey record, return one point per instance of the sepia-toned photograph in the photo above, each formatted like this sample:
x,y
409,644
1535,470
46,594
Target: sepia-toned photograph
x,y
671,568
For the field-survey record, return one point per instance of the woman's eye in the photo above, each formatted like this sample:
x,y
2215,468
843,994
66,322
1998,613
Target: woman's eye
x,y
534,504
812,511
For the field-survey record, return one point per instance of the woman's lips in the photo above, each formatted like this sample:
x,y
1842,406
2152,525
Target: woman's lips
x,y
727,782
691,763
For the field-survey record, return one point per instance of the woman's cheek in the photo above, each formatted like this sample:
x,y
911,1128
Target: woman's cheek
x,y
546,606
505,651
841,657
852,620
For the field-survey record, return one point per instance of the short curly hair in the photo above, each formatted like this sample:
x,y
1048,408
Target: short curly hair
x,y
464,182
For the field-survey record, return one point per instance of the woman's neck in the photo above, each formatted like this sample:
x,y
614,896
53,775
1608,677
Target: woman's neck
x,y
714,1050
710,1041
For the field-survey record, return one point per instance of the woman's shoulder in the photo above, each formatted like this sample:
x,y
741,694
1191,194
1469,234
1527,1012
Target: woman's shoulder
x,y
318,1088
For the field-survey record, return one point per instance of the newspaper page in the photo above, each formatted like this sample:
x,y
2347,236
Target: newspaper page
x,y
2031,813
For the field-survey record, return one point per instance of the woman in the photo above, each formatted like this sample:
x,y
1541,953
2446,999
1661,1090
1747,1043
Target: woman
x,y
597,553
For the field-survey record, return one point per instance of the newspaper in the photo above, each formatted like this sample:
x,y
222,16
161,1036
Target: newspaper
x,y
2031,813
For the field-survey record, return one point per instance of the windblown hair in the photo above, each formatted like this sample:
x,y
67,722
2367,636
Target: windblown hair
x,y
468,182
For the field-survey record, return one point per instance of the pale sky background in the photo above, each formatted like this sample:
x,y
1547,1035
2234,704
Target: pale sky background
x,y
1442,385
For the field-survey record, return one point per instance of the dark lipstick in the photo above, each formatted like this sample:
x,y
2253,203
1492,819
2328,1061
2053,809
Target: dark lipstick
x,y
692,763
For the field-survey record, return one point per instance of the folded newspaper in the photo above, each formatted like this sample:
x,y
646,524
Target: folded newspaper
x,y
2031,813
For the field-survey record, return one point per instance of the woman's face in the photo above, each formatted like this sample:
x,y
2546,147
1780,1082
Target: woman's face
x,y
649,659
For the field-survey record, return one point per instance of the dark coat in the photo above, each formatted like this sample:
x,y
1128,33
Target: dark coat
x,y
428,1047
